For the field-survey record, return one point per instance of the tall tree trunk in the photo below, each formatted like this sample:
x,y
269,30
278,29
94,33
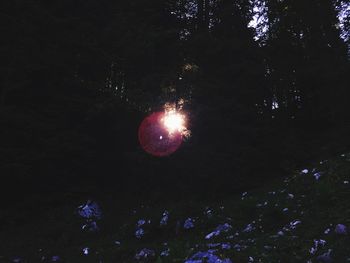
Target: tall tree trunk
x,y
200,14
203,14
206,13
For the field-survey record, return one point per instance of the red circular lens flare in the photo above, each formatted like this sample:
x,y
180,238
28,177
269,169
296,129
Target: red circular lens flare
x,y
155,138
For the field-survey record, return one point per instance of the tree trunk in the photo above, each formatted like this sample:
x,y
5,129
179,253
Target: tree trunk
x,y
203,14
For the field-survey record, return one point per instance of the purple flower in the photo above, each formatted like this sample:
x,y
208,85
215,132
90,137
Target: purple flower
x,y
294,224
226,246
317,175
90,210
239,247
189,223
305,171
139,233
207,256
248,228
220,228
208,212
165,253
165,218
144,254
341,229
317,244
141,222
55,258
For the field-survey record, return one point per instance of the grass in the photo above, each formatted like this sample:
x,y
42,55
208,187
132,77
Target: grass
x,y
315,206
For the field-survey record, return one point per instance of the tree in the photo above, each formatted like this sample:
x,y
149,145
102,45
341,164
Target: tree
x,y
303,50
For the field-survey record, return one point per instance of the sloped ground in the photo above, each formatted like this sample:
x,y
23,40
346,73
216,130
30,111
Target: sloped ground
x,y
302,218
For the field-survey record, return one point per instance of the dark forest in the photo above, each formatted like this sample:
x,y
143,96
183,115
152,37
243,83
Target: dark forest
x,y
264,86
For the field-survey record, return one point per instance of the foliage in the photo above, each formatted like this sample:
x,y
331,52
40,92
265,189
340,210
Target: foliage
x,y
79,77
291,219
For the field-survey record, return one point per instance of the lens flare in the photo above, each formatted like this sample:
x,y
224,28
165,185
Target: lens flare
x,y
155,138
174,122
162,133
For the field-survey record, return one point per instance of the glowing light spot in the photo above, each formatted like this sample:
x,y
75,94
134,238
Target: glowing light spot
x,y
174,122
162,133
155,138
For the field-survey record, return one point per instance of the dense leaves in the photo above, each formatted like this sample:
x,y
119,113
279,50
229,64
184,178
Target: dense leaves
x,y
79,76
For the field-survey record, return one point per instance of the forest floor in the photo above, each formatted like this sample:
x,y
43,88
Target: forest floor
x,y
303,217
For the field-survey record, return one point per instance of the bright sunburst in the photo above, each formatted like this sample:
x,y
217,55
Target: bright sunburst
x,y
174,121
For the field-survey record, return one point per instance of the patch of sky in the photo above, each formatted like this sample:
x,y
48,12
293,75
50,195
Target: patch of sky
x,y
259,20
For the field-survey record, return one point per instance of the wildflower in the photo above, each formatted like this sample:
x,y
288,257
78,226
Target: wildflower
x,y
341,229
317,244
90,210
207,256
139,233
141,222
294,223
248,228
189,223
144,253
239,247
55,258
226,246
317,176
221,228
208,212
165,253
165,218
